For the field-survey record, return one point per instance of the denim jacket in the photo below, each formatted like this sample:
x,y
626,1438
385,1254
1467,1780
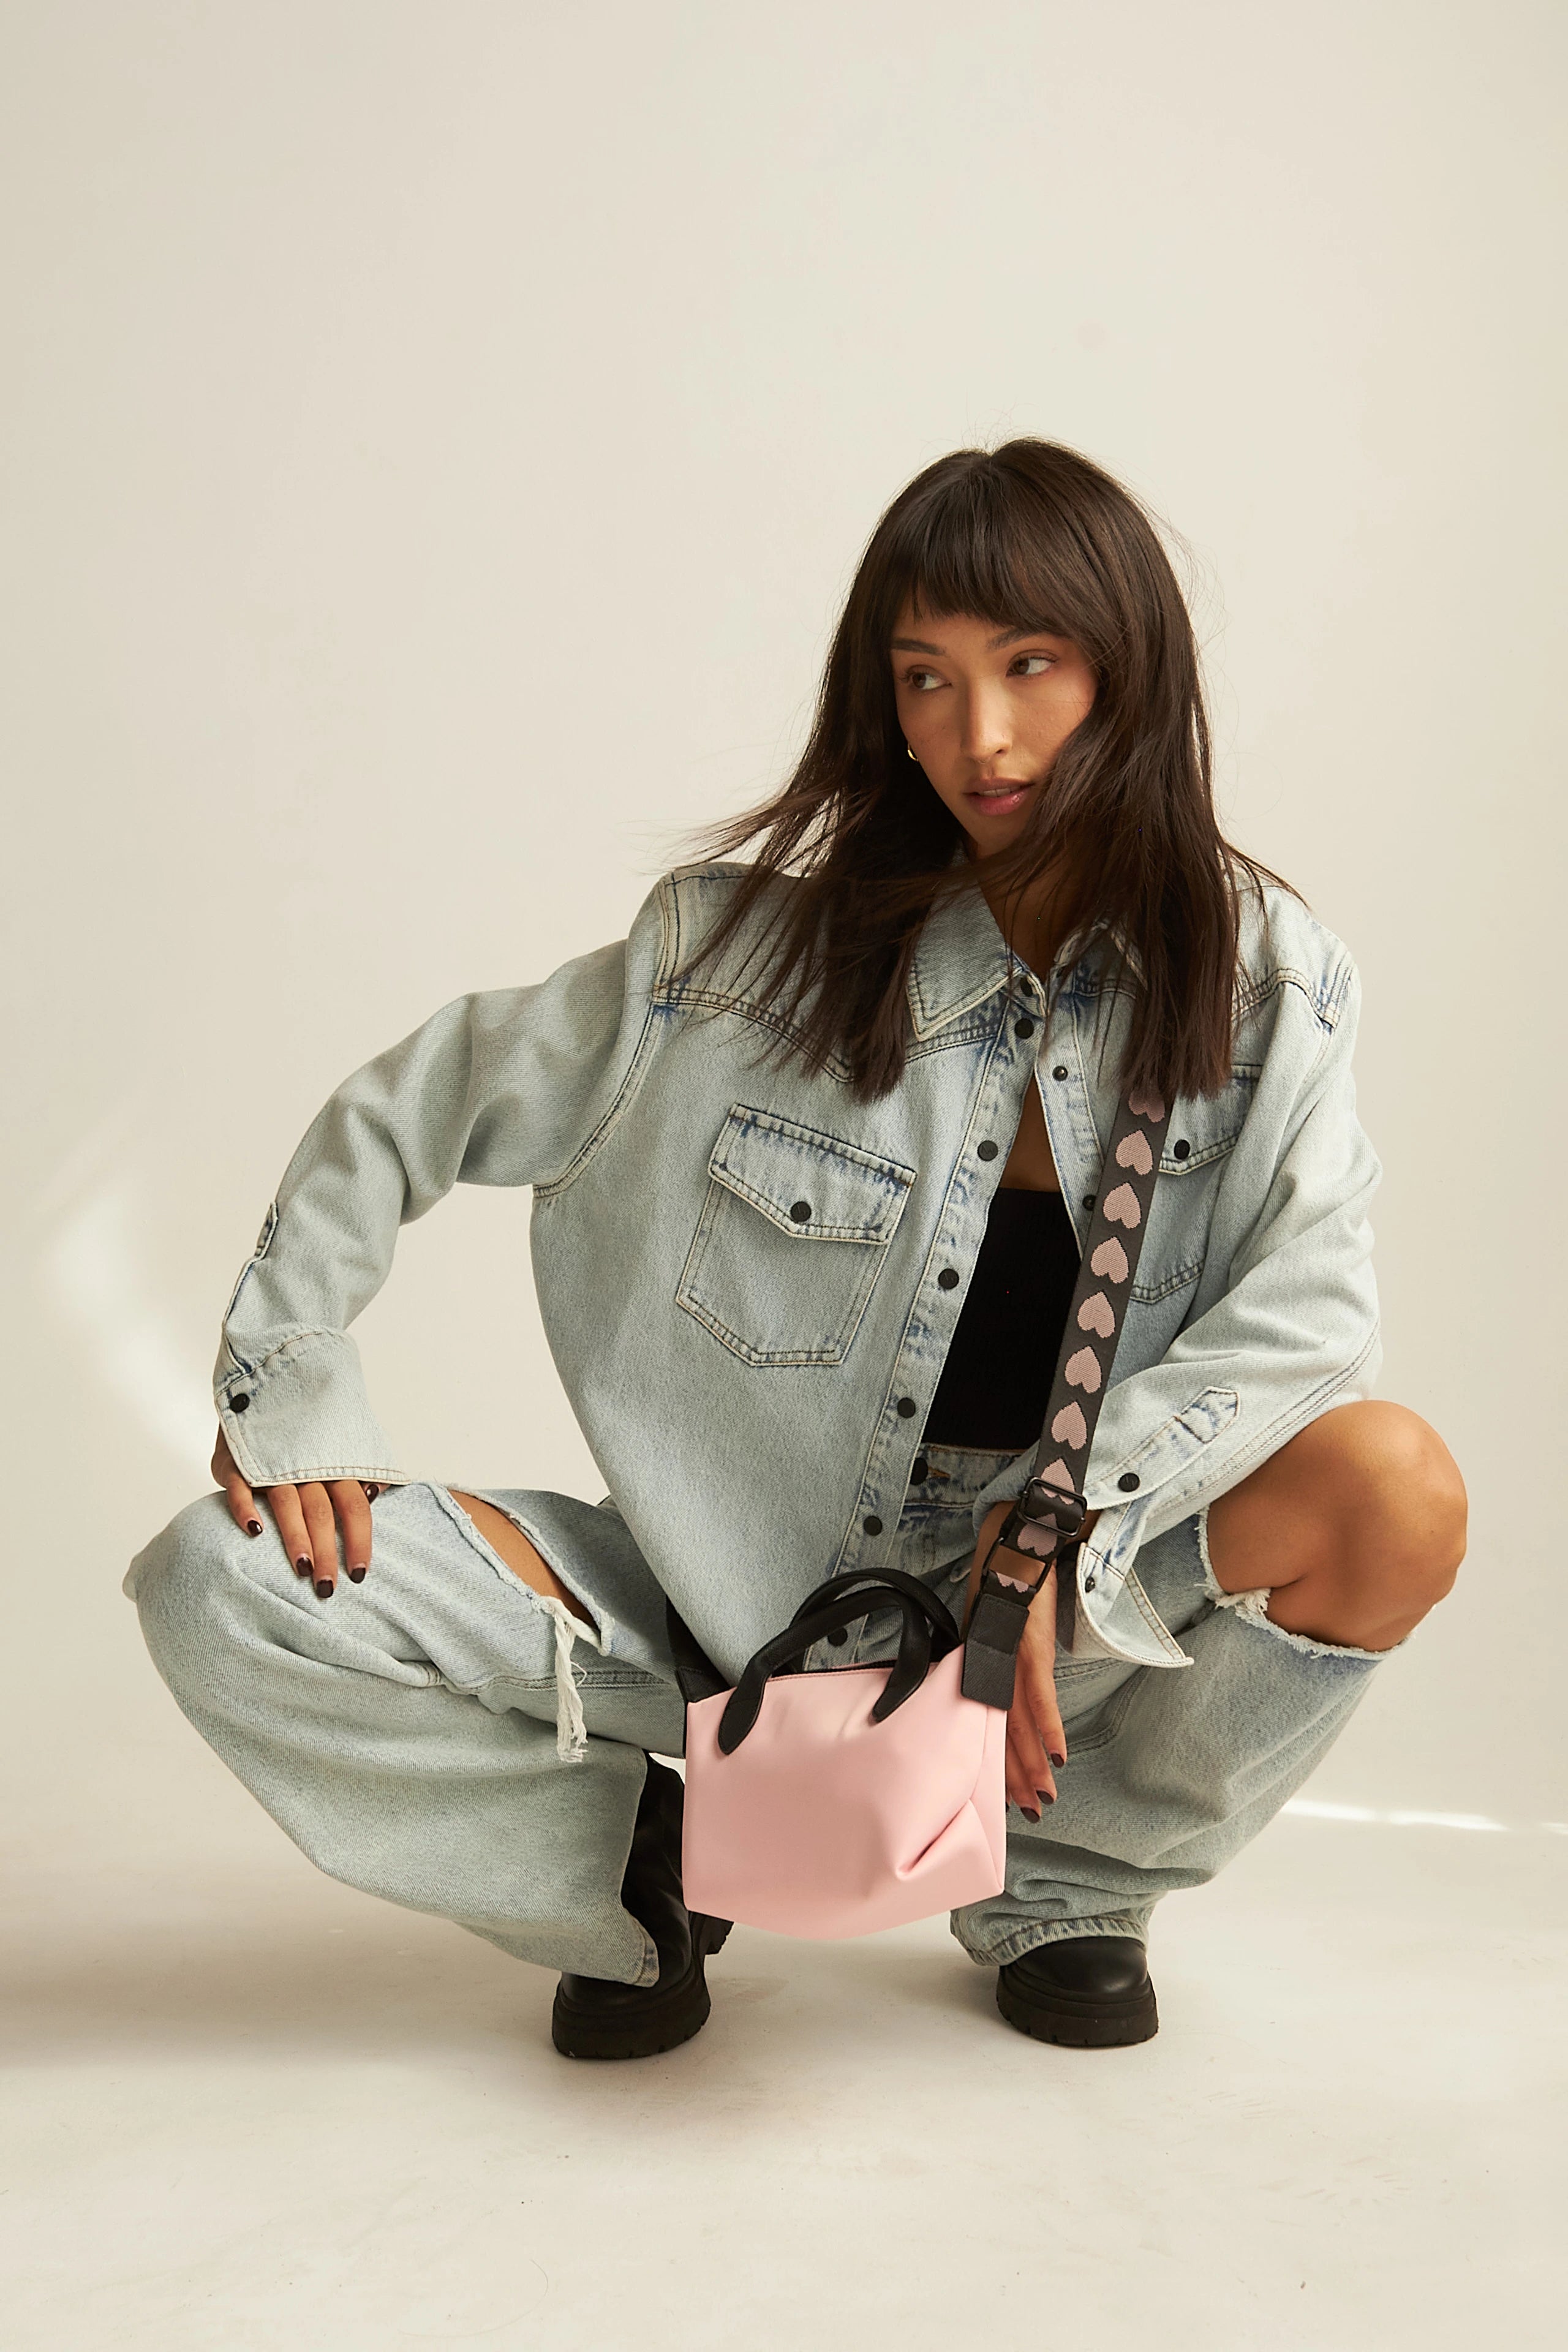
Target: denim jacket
x,y
747,1279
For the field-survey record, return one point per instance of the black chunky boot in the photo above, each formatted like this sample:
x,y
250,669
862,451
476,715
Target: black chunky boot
x,y
1091,1992
595,2017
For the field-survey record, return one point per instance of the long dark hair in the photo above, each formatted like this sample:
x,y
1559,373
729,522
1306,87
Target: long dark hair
x,y
1030,536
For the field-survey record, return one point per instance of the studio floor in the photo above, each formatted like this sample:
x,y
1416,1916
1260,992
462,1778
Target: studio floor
x,y
248,2108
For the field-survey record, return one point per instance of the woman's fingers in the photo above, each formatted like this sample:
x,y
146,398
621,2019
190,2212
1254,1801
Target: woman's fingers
x,y
307,1518
351,1500
1029,1781
316,1503
1036,1739
290,1518
242,1508
1039,1693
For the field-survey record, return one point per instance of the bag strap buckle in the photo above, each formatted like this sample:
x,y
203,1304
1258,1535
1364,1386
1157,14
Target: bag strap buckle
x,y
1043,1527
1045,1518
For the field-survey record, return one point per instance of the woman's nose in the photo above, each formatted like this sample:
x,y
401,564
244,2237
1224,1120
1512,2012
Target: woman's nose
x,y
985,728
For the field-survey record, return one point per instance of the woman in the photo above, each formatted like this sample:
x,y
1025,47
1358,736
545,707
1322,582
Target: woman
x,y
811,1152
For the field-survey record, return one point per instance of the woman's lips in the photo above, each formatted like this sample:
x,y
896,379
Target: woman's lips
x,y
998,798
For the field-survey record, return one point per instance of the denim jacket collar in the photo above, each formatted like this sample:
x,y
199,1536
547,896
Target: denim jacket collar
x,y
961,959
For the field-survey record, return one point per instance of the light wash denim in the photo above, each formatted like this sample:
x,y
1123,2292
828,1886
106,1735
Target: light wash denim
x,y
414,1734
748,1280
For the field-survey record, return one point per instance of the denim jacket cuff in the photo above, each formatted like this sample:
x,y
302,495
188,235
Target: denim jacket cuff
x,y
300,1413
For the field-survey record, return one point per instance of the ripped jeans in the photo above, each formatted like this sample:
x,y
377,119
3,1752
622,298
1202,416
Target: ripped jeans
x,y
445,1736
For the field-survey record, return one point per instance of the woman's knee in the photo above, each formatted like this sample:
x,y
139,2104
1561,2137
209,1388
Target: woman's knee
x,y
1398,1497
191,1586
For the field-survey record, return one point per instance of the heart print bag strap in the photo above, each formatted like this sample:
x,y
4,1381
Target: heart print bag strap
x,y
1044,1525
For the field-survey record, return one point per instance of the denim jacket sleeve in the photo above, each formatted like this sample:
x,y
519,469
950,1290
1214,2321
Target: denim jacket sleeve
x,y
1291,1327
509,1086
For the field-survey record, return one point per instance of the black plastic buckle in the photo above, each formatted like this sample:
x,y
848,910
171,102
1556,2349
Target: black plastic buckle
x,y
1061,1507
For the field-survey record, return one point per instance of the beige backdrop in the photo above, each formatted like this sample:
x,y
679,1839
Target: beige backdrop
x,y
437,441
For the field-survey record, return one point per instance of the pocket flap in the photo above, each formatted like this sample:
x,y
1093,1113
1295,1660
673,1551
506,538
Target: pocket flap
x,y
1203,1128
814,1186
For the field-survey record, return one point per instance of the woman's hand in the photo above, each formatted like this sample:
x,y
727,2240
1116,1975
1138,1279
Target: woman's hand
x,y
1035,1741
305,1516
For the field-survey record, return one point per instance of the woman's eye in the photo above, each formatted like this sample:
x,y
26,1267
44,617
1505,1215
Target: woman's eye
x,y
1046,661
913,678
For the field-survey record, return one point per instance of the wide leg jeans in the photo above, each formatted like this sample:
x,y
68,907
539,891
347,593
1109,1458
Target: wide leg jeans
x,y
442,1736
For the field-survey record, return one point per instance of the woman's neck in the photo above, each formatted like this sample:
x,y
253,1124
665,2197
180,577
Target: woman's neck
x,y
1029,920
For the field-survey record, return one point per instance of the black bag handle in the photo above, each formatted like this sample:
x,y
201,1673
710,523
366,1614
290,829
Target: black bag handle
x,y
927,1632
925,1622
938,1612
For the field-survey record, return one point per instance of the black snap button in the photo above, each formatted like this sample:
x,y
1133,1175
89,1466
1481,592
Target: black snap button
x,y
1128,1481
986,1150
872,1525
907,1408
920,1470
240,1403
1088,1200
839,1638
801,1213
1090,1581
1025,1028
948,1278
1060,1071
1181,1150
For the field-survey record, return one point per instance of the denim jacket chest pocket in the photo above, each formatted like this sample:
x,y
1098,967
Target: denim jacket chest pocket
x,y
792,1236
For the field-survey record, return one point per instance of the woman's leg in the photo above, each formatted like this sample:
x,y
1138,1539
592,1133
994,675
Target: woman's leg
x,y
521,1554
408,1733
1355,1528
1324,1559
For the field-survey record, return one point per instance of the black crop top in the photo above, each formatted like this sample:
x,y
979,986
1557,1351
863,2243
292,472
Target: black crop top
x,y
996,1378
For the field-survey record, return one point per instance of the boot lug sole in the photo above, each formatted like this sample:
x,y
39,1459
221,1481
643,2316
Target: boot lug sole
x,y
1086,2025
670,2018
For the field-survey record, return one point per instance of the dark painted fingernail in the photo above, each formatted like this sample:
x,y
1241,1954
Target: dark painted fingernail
x,y
323,1589
1029,1816
356,1576
253,1527
1058,1761
303,1567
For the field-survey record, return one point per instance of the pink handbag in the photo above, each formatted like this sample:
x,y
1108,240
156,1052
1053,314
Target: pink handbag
x,y
854,1798
849,1799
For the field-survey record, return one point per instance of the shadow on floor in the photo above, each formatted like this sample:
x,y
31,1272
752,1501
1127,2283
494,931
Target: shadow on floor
x,y
384,1981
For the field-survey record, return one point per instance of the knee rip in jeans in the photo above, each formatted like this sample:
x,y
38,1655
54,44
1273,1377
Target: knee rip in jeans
x,y
571,1728
1252,1608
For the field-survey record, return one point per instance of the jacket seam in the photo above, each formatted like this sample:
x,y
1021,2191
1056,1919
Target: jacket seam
x,y
1325,997
1132,1587
315,1474
290,1338
588,1149
674,997
1182,1277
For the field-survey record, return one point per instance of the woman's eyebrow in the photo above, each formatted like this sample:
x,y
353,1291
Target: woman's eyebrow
x,y
993,645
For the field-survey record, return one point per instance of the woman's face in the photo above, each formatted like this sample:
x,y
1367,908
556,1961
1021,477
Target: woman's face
x,y
985,710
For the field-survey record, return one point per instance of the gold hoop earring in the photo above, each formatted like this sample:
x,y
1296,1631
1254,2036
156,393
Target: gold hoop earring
x,y
910,752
